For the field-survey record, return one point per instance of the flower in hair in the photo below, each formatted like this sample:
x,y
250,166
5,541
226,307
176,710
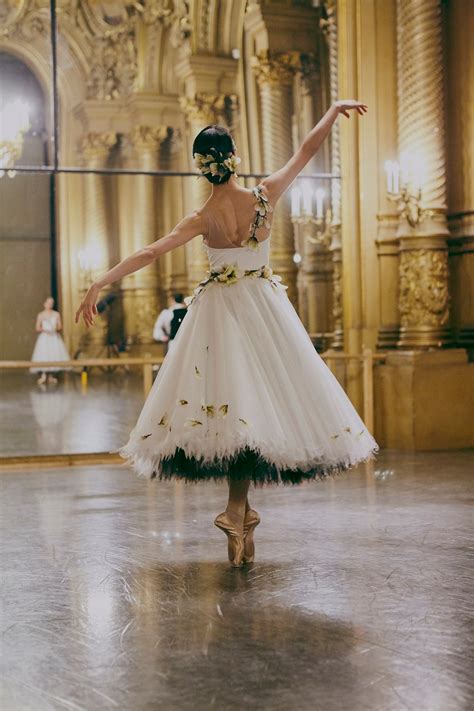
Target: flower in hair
x,y
216,163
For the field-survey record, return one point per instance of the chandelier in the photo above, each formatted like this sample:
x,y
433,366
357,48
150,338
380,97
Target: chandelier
x,y
14,122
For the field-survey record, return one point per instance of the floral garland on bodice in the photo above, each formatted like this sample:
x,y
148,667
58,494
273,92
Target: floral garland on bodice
x,y
262,210
230,274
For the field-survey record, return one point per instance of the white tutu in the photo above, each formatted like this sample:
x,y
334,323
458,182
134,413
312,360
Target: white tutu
x,y
49,346
244,393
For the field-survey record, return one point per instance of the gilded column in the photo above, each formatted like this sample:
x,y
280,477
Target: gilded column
x,y
337,341
460,118
312,235
142,294
388,257
275,73
423,296
94,257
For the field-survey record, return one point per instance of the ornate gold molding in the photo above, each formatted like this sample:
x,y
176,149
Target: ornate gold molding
x,y
172,14
424,297
113,72
23,19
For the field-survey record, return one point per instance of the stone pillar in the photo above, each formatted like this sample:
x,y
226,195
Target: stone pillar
x,y
275,73
423,295
200,110
142,294
95,149
170,189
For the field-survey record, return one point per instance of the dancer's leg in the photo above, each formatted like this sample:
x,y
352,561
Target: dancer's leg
x,y
232,520
237,504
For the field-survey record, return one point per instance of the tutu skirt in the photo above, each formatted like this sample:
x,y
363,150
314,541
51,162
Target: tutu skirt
x,y
49,346
244,394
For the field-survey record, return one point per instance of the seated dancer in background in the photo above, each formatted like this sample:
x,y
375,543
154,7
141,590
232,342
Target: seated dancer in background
x,y
49,345
245,397
168,322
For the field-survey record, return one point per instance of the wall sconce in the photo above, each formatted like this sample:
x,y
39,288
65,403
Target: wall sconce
x,y
14,123
405,180
312,222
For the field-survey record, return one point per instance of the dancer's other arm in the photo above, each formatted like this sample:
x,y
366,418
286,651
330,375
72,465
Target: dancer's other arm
x,y
279,181
38,326
185,230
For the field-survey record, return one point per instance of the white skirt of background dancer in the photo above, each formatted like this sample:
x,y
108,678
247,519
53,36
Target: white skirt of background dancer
x,y
49,346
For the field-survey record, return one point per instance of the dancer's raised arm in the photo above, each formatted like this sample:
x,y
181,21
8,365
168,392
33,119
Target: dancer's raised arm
x,y
189,227
279,181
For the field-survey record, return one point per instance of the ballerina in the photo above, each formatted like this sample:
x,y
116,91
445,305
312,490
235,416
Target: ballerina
x,y
49,345
245,396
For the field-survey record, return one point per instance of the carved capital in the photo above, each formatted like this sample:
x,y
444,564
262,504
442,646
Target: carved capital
x,y
206,108
424,297
148,139
95,147
278,68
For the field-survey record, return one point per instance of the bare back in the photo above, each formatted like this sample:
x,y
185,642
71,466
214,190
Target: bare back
x,y
230,217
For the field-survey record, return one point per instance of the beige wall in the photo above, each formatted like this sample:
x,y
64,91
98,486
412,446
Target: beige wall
x,y
25,257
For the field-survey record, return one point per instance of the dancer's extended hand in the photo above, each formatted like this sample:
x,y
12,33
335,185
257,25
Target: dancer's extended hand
x,y
345,105
88,307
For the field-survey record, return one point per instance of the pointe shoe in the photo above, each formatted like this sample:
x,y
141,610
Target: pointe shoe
x,y
251,521
235,538
42,379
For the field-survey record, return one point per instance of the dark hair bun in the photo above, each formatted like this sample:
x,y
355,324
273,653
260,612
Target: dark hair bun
x,y
216,141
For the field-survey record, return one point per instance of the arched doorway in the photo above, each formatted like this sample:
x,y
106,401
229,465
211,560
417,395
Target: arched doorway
x,y
26,225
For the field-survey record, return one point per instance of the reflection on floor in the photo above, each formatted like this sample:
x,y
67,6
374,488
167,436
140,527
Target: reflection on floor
x,y
117,593
62,418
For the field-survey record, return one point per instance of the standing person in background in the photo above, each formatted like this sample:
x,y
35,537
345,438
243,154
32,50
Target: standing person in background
x,y
168,322
49,345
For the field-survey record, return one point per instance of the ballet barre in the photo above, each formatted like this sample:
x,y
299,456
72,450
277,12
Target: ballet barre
x,y
331,357
79,365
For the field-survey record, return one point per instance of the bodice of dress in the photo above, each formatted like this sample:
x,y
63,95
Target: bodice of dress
x,y
49,323
243,257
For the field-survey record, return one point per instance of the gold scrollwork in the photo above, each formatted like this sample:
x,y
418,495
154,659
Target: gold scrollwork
x,y
424,297
23,19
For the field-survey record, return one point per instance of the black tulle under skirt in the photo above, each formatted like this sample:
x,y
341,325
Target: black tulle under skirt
x,y
246,464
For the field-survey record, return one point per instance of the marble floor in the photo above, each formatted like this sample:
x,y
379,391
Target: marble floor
x,y
116,592
64,418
